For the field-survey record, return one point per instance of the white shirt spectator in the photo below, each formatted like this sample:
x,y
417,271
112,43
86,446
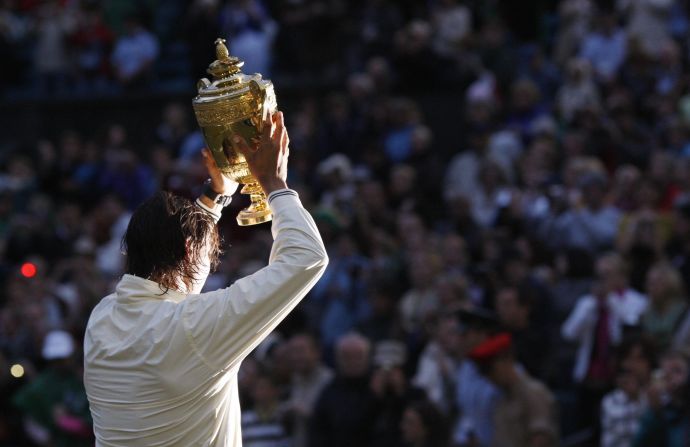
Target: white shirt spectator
x,y
620,418
134,52
606,52
625,308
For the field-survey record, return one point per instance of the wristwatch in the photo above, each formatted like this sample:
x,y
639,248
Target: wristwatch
x,y
214,196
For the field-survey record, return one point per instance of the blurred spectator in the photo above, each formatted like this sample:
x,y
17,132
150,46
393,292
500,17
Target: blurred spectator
x,y
605,48
251,32
346,411
514,309
667,305
134,54
54,24
647,22
622,407
621,410
262,424
597,323
422,425
437,364
392,389
475,394
309,378
54,404
591,227
525,413
578,92
665,422
92,41
452,22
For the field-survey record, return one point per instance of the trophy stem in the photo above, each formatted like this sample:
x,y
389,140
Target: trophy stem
x,y
258,211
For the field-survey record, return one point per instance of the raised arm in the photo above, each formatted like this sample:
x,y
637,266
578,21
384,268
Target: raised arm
x,y
225,325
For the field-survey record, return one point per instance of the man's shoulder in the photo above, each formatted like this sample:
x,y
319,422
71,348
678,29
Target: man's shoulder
x,y
535,390
99,309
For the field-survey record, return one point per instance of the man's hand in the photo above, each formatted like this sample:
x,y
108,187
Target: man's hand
x,y
268,160
219,183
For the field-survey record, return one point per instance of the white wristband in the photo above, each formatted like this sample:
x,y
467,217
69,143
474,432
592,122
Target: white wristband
x,y
214,213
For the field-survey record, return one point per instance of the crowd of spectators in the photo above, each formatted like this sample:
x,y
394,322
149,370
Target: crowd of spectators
x,y
520,281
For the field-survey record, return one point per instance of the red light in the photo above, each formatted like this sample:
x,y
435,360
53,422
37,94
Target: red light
x,y
28,270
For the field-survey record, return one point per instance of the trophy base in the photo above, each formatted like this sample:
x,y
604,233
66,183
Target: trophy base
x,y
248,217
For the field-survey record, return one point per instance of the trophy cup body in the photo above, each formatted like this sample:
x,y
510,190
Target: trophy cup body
x,y
235,104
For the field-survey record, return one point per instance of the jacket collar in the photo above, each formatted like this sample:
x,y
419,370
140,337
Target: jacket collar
x,y
134,287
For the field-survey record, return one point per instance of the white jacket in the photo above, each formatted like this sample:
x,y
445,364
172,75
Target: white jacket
x,y
624,309
160,369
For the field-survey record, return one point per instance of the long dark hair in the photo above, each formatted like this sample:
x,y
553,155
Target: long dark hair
x,y
165,238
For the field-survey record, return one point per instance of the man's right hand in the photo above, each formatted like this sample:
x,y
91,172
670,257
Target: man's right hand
x,y
268,159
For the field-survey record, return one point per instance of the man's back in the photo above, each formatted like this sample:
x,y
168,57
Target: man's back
x,y
161,368
144,380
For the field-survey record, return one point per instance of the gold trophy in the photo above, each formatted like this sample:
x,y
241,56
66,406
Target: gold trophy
x,y
234,103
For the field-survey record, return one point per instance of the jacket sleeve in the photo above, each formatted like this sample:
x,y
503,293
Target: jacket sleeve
x,y
224,326
581,320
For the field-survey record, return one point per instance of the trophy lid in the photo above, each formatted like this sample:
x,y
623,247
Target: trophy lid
x,y
225,65
227,79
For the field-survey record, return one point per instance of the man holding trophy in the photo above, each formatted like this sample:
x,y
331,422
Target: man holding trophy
x,y
161,358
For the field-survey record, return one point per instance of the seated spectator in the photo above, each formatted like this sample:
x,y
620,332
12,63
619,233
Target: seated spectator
x,y
437,364
578,93
621,410
346,410
54,404
393,391
525,413
262,424
591,227
666,422
309,378
421,300
92,41
667,305
423,425
605,48
134,53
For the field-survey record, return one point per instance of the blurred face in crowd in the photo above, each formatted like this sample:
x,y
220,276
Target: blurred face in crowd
x,y
451,290
352,356
636,363
265,393
422,271
304,354
501,371
675,372
454,251
412,427
511,312
447,335
663,284
610,273
629,383
594,195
